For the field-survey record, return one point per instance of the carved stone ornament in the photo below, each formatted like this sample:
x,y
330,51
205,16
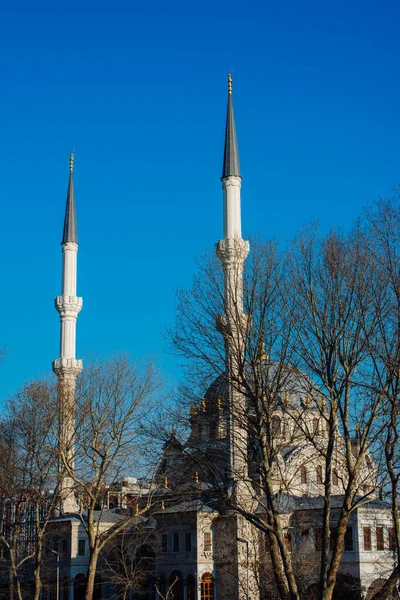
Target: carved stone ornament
x,y
70,246
67,367
232,250
231,181
68,306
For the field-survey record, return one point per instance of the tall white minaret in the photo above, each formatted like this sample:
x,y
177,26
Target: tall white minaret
x,y
232,251
67,367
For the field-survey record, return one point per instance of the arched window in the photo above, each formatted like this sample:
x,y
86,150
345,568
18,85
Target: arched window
x,y
176,585
207,587
66,588
191,587
276,425
335,478
79,586
316,426
368,462
303,474
319,474
146,558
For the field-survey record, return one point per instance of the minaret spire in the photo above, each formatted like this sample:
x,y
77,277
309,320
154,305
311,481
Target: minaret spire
x,y
67,367
232,251
231,179
70,233
231,155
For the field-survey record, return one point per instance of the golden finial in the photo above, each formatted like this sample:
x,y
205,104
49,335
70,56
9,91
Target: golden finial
x,y
308,400
357,426
287,399
262,355
219,403
203,405
71,162
323,404
136,509
165,482
196,477
193,410
162,505
230,82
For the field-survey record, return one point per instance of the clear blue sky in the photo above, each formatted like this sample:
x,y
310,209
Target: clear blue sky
x,y
139,90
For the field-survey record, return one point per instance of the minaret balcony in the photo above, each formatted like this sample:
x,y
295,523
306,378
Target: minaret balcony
x,y
68,306
232,251
67,367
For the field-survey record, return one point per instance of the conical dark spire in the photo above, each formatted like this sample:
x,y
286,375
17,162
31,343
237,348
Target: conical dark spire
x,y
231,154
70,233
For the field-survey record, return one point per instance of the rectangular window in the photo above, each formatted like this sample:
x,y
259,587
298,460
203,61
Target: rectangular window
x,y
175,542
392,538
188,542
379,539
333,537
164,542
303,474
367,538
288,541
348,539
213,430
319,474
207,541
335,478
318,538
81,547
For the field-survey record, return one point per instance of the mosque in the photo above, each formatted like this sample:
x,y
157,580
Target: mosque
x,y
201,549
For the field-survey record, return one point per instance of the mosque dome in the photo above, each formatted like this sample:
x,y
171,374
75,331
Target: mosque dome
x,y
290,386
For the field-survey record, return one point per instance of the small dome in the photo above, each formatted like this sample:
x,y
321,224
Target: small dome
x,y
216,397
297,389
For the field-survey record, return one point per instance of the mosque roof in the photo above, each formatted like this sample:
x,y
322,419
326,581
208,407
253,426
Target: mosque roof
x,y
288,503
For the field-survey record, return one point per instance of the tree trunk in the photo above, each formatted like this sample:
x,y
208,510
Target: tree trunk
x,y
19,593
11,584
388,587
37,582
278,570
285,555
337,551
91,574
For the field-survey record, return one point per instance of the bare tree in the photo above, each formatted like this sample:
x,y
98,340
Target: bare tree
x,y
129,559
113,399
381,224
28,471
311,314
336,292
262,354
